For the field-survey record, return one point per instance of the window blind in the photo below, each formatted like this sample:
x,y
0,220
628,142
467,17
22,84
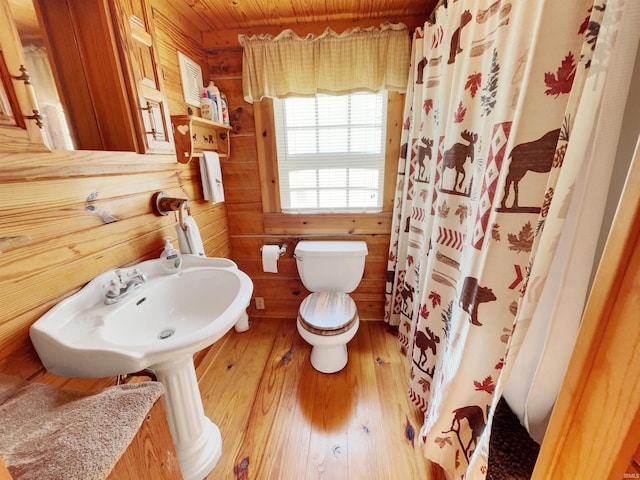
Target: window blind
x,y
331,152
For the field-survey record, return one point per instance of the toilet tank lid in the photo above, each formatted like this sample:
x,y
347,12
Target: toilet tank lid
x,y
312,248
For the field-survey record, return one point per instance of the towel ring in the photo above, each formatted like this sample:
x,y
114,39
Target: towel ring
x,y
162,204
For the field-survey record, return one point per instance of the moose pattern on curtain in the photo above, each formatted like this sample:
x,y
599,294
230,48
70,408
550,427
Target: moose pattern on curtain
x,y
488,117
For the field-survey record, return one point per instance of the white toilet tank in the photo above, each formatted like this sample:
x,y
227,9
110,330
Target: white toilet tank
x,y
330,266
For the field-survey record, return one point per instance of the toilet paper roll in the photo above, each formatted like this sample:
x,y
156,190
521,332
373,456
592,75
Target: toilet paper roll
x,y
270,254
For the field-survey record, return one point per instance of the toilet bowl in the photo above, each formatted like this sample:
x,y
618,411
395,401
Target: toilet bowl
x,y
328,318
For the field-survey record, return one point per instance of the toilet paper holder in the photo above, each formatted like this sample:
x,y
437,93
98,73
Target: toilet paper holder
x,y
282,248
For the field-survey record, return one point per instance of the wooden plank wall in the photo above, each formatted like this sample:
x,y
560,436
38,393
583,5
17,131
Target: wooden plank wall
x,y
282,292
67,216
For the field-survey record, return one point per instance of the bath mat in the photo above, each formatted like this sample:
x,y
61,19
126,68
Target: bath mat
x,y
512,452
53,434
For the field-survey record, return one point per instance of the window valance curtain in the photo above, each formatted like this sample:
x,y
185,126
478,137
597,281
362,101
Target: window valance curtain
x,y
369,59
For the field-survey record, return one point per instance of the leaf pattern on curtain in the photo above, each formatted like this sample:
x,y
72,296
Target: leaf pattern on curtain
x,y
493,90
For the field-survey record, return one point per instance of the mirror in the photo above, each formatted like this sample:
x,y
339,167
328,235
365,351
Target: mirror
x,y
56,126
105,67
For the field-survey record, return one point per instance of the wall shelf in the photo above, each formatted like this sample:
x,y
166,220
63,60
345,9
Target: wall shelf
x,y
194,135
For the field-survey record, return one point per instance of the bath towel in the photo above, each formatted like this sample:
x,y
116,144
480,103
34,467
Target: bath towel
x,y
211,176
189,240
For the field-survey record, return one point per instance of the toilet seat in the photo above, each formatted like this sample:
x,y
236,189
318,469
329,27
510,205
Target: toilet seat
x,y
327,313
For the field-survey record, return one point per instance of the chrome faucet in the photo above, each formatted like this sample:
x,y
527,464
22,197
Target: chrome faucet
x,y
126,282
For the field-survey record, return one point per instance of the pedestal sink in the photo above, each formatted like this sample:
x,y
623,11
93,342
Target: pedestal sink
x,y
160,324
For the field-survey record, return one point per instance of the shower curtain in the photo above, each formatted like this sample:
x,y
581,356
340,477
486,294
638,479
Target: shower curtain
x,y
490,153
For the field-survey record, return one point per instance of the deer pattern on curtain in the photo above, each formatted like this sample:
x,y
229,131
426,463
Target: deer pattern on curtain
x,y
493,90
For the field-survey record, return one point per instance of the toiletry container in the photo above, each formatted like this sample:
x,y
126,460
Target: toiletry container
x,y
170,258
214,94
225,109
328,318
206,110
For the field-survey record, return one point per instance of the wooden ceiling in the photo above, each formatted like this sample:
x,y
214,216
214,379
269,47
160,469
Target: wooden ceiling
x,y
241,14
25,18
220,21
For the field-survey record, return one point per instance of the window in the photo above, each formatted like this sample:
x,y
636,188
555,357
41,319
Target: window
x,y
331,152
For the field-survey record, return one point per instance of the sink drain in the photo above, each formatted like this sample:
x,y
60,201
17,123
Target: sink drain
x,y
166,333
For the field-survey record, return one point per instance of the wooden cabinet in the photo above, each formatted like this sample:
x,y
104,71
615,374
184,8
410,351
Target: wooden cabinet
x,y
107,73
151,453
194,135
17,100
134,21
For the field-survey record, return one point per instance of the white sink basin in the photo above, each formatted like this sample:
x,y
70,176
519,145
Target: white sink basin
x,y
158,325
170,315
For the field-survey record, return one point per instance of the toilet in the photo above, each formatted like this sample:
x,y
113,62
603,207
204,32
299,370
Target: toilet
x,y
328,318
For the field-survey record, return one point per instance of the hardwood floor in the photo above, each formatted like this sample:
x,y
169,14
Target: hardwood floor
x,y
281,419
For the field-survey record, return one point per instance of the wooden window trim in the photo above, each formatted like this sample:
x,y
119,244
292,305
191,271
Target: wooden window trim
x,y
276,222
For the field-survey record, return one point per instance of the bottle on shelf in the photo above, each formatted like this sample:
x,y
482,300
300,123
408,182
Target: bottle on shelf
x,y
214,94
225,109
206,110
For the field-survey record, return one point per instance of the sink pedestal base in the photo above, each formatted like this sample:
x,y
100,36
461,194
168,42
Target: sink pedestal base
x,y
196,438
